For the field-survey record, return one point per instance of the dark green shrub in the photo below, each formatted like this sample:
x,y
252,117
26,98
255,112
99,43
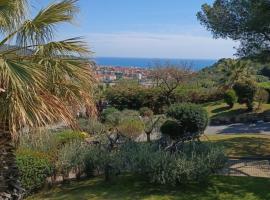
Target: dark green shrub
x,y
69,135
246,92
172,129
146,112
266,71
191,118
110,116
34,168
230,98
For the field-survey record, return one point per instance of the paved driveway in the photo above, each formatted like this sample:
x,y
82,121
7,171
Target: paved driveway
x,y
257,128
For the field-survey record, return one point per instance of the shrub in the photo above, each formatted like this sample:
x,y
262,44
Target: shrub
x,y
191,118
92,126
131,128
172,129
69,136
246,92
266,71
71,157
99,159
195,163
230,98
262,96
34,168
110,116
146,112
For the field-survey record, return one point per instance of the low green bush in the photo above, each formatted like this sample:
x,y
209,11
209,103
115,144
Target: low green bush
x,y
102,161
230,98
194,164
246,92
110,116
69,136
172,129
192,119
130,128
71,158
34,168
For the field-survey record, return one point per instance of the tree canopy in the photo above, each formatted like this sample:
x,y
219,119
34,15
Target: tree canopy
x,y
247,21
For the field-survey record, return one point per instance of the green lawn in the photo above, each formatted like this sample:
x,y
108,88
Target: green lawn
x,y
220,109
132,188
242,145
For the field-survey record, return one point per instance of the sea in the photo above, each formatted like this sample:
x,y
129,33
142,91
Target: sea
x,y
195,64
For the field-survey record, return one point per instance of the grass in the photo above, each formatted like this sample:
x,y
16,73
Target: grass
x,y
220,109
137,188
242,145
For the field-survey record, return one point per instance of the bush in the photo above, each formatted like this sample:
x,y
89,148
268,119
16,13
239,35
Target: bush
x,y
172,129
262,96
69,136
146,112
34,168
131,128
246,92
92,126
99,159
266,71
195,163
191,118
230,98
71,158
110,116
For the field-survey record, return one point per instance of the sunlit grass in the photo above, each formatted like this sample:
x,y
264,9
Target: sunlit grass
x,y
220,109
137,188
242,145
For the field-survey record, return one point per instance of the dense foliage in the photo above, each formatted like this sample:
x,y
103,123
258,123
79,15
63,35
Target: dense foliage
x,y
230,98
190,120
246,92
195,163
34,168
244,21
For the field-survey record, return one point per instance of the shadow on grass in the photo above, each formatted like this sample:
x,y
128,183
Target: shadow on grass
x,y
245,146
222,109
230,113
137,188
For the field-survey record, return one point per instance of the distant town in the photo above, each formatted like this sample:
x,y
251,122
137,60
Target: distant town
x,y
111,74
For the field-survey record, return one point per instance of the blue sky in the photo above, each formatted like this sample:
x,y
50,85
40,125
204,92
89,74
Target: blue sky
x,y
144,28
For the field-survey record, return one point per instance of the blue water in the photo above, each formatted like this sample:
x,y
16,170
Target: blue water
x,y
195,64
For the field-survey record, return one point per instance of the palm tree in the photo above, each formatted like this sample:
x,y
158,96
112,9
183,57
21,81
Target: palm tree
x,y
236,71
41,81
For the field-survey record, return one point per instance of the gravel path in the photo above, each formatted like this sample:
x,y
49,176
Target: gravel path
x,y
257,128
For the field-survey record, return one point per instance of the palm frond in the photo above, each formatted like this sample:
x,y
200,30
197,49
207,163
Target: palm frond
x,y
41,29
12,12
69,47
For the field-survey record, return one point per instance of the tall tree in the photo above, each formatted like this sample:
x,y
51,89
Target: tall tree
x,y
168,77
41,81
247,21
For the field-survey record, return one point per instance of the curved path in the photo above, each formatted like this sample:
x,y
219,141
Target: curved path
x,y
256,128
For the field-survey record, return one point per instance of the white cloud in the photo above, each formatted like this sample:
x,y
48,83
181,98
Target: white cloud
x,y
159,45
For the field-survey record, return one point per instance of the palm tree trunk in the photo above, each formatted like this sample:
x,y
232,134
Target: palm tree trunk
x,y
9,185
